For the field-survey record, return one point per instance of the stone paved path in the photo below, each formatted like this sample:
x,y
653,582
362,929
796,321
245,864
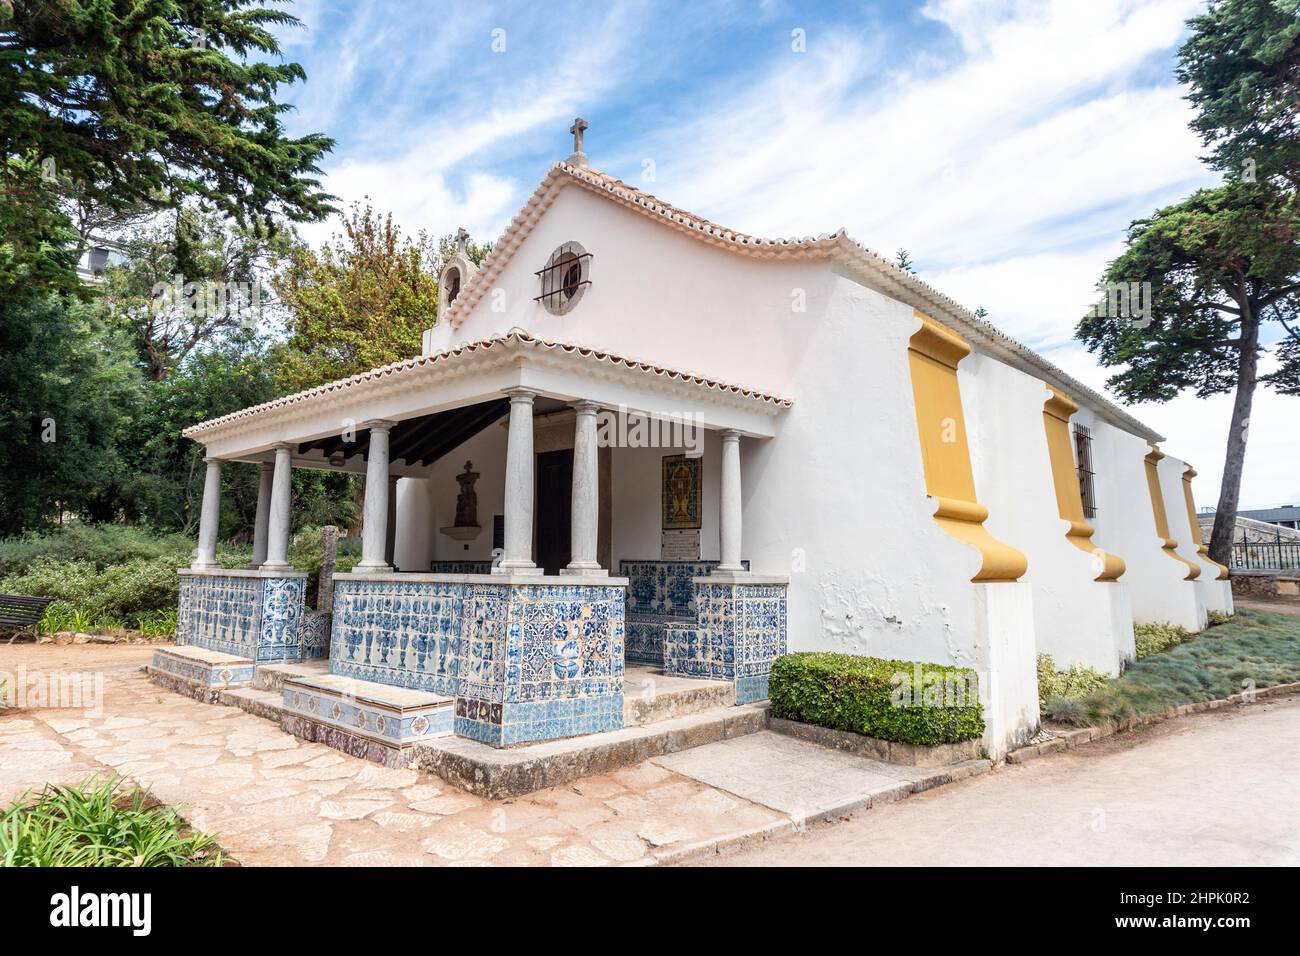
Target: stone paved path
x,y
271,799
1216,789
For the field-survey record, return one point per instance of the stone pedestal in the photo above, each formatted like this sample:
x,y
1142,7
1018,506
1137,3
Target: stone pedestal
x,y
740,628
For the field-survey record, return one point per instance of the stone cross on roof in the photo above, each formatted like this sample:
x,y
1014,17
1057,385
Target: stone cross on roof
x,y
578,157
462,237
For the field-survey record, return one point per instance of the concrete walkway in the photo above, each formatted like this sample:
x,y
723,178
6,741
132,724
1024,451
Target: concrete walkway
x,y
1221,789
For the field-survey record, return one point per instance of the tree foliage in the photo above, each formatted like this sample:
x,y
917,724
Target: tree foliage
x,y
362,301
1220,264
154,101
1242,63
188,279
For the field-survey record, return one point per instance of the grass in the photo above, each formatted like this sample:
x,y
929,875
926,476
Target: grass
x,y
100,823
1254,649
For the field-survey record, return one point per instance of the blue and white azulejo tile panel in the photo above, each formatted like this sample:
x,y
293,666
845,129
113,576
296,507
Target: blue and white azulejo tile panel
x,y
404,634
246,615
542,661
739,630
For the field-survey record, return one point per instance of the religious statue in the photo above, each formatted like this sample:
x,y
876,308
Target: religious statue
x,y
467,500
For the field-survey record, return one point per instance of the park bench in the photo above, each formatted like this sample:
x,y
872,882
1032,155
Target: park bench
x,y
19,611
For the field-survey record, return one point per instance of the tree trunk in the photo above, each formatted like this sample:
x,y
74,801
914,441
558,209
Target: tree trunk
x,y
1225,516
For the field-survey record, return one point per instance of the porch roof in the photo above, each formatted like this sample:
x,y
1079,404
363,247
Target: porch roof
x,y
480,371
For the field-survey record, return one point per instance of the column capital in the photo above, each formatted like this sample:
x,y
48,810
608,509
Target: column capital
x,y
585,406
520,394
213,460
266,467
288,446
732,434
379,425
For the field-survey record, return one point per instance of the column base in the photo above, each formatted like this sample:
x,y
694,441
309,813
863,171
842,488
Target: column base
x,y
371,567
516,567
588,569
278,566
204,566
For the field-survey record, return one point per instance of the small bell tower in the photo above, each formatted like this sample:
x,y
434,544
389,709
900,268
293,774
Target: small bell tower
x,y
456,273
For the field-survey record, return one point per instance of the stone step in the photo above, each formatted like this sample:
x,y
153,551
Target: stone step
x,y
272,676
649,696
506,772
365,719
260,703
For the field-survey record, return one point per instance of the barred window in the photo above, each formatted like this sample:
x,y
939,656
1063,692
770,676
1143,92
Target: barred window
x,y
1083,466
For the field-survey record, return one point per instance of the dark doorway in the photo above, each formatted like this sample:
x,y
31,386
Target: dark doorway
x,y
554,509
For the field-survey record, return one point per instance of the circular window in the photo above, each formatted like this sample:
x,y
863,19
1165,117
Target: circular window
x,y
565,278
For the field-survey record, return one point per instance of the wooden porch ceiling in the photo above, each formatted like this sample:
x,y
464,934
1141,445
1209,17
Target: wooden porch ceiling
x,y
418,441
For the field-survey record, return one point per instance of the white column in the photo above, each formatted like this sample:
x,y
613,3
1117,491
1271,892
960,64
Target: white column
x,y
277,525
374,519
390,539
729,510
265,474
518,557
209,517
586,493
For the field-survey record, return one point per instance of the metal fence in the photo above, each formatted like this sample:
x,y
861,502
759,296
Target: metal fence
x,y
1266,555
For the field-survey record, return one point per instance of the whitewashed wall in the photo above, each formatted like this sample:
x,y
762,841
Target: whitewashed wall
x,y
1077,619
1214,595
1125,524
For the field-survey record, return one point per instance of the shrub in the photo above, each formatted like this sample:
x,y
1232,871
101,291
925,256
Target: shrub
x,y
879,698
1218,617
99,824
1156,638
98,544
1075,683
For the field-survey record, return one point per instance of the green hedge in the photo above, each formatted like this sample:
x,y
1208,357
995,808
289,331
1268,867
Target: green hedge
x,y
878,698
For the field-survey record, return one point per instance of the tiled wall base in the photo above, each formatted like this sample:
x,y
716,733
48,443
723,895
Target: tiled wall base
x,y
198,672
542,661
505,725
405,633
314,635
740,628
396,758
644,641
659,593
251,614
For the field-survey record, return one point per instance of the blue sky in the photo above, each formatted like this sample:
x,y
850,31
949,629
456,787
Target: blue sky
x,y
1005,145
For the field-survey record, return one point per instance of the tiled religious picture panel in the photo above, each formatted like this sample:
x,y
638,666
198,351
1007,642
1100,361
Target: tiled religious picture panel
x,y
681,492
398,633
